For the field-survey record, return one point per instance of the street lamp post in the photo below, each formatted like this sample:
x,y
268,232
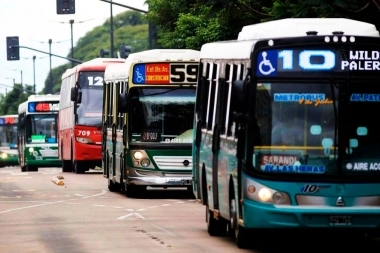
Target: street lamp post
x,y
72,42
111,32
20,74
50,88
34,74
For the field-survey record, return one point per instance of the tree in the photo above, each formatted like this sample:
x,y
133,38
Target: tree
x,y
191,23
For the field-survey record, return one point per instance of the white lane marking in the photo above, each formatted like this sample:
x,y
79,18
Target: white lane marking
x,y
103,192
21,208
136,215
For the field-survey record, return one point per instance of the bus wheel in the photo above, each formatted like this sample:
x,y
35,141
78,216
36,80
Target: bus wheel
x,y
232,225
113,187
23,169
66,166
215,227
78,167
133,191
31,168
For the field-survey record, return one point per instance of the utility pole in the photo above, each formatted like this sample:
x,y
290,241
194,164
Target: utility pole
x,y
50,89
72,43
111,32
34,74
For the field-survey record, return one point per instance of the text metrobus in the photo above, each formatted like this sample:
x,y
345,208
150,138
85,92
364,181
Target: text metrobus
x,y
80,115
37,132
148,116
8,140
282,140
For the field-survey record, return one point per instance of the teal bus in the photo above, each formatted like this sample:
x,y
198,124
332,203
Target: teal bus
x,y
37,132
148,114
284,134
8,140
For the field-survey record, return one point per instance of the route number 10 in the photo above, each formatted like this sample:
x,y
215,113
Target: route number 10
x,y
326,59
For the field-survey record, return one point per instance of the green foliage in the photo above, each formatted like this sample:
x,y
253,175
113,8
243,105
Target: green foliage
x,y
9,103
192,23
130,28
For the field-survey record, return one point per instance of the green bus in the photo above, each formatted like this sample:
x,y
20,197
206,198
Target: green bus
x,y
37,132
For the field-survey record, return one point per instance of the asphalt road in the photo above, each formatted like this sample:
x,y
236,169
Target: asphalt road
x,y
81,215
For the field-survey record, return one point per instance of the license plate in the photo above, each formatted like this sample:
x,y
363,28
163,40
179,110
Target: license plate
x,y
340,220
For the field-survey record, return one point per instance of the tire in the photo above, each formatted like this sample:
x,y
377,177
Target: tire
x,y
134,191
31,168
215,227
113,187
78,167
67,166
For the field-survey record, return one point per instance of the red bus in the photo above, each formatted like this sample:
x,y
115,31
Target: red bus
x,y
80,115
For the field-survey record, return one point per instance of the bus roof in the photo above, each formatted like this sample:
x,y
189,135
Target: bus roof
x,y
9,115
32,98
293,27
96,64
121,71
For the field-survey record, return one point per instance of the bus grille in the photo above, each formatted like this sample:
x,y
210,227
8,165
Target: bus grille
x,y
174,162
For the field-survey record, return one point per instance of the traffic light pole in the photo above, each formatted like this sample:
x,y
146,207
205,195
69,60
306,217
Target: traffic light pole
x,y
67,58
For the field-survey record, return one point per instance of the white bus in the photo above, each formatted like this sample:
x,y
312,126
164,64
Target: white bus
x,y
148,114
37,132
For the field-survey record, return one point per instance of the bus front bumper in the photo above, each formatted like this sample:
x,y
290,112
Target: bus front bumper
x,y
258,215
158,179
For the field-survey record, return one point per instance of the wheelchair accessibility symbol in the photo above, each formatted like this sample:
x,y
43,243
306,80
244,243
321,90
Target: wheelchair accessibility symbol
x,y
267,63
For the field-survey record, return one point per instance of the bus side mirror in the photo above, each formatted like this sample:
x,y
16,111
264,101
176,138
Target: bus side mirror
x,y
75,95
122,105
238,103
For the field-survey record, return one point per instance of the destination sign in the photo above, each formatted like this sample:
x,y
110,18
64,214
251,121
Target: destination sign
x,y
309,61
43,106
165,73
8,121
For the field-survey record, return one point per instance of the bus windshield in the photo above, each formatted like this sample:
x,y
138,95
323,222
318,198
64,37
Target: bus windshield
x,y
41,128
8,136
162,115
299,129
90,108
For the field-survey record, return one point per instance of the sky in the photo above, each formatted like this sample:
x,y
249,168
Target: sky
x,y
37,21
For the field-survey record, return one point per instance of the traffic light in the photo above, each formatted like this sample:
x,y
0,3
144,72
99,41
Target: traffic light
x,y
124,51
65,6
13,49
104,52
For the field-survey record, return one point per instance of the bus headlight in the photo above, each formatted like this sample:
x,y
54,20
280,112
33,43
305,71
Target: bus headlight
x,y
145,162
3,155
83,140
137,155
261,193
31,150
265,194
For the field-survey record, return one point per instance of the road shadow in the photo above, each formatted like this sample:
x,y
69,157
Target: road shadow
x,y
300,243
